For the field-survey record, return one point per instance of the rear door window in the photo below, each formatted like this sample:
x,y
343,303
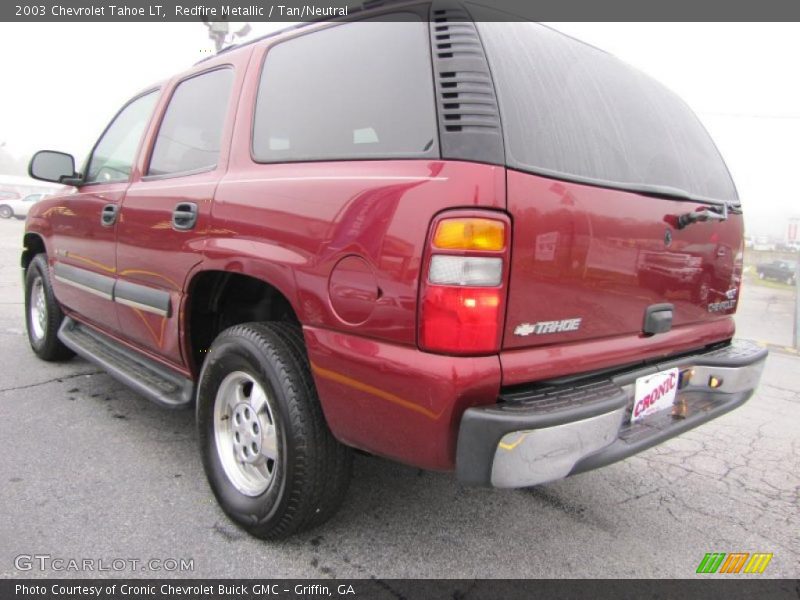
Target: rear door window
x,y
191,132
358,90
573,111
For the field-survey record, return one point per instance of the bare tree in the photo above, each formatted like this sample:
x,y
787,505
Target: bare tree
x,y
220,33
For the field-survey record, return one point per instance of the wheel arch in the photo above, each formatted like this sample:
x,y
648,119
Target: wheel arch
x,y
33,244
217,299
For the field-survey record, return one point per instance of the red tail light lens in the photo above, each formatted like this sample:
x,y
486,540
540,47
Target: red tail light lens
x,y
463,290
460,320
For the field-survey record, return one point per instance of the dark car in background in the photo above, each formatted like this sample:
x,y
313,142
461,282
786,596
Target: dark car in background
x,y
780,270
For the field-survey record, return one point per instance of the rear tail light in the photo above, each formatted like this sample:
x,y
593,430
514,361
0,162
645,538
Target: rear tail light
x,y
470,234
463,292
460,320
465,270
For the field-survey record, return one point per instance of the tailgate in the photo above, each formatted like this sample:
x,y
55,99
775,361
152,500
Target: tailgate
x,y
587,262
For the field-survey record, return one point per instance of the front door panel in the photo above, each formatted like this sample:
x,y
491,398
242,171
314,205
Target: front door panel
x,y
84,266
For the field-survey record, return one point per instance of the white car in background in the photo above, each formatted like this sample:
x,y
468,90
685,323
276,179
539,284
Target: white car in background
x,y
18,207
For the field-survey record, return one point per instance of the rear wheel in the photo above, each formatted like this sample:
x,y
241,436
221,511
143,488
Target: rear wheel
x,y
270,459
6,212
43,313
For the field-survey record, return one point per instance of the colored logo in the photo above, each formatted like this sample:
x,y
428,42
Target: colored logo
x,y
734,562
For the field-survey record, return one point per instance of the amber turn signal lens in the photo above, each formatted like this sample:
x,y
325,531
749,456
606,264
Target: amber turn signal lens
x,y
470,234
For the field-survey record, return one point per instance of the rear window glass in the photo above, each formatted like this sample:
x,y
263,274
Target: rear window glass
x,y
570,110
358,90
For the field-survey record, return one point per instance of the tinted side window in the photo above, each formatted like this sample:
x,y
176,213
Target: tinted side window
x,y
114,154
190,134
358,90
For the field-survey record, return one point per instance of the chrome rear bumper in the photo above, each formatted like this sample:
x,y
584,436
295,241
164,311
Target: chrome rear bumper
x,y
551,431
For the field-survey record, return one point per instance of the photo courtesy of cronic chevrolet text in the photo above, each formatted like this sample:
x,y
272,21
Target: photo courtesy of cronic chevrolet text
x,y
424,233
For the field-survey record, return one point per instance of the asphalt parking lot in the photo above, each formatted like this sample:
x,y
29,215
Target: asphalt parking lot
x,y
91,470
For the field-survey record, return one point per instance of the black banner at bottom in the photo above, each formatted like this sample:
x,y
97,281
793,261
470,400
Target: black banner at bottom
x,y
395,589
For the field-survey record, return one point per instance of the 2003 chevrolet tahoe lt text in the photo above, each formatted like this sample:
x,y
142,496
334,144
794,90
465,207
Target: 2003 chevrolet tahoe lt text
x,y
460,244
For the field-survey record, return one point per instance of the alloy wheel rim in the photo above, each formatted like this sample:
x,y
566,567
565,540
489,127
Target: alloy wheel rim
x,y
245,433
38,309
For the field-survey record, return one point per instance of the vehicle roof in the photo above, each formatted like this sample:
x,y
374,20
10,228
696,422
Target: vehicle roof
x,y
364,9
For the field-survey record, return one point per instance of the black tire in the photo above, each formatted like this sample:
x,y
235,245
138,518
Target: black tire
x,y
6,212
44,338
312,470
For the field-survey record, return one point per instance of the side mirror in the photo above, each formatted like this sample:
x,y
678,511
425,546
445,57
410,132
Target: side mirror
x,y
57,167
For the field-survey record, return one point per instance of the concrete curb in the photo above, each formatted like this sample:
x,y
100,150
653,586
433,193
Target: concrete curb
x,y
778,348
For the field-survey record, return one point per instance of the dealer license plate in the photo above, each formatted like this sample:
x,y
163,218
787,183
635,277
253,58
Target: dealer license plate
x,y
654,393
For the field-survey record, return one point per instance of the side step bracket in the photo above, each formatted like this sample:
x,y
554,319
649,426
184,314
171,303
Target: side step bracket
x,y
145,376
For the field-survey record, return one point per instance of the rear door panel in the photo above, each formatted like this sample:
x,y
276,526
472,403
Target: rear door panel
x,y
154,255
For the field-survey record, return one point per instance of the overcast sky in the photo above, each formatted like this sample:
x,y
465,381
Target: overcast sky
x,y
61,84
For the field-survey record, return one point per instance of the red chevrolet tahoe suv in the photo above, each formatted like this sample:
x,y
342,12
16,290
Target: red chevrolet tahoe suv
x,y
424,233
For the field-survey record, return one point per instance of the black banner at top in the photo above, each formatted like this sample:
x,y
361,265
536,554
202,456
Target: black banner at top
x,y
296,10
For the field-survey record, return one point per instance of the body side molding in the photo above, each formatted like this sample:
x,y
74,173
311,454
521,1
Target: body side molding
x,y
127,293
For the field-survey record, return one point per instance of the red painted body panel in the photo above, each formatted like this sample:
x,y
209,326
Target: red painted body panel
x,y
394,400
79,239
525,365
601,255
40,222
297,221
145,236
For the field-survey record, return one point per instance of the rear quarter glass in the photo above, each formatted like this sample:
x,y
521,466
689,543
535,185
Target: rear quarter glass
x,y
358,90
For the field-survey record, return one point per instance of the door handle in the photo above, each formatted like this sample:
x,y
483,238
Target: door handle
x,y
184,216
705,213
108,216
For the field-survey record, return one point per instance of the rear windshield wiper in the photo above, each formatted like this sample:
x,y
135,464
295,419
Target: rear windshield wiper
x,y
713,210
